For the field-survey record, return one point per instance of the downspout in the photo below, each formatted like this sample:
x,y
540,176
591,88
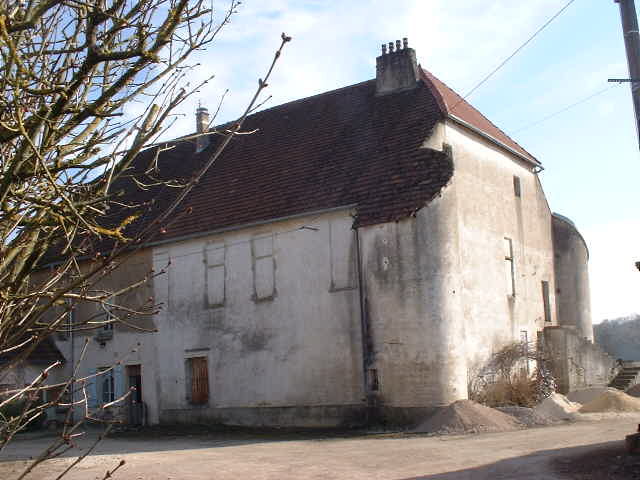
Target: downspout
x,y
364,331
72,385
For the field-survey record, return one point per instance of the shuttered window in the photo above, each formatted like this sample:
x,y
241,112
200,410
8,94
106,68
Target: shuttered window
x,y
264,282
199,380
215,274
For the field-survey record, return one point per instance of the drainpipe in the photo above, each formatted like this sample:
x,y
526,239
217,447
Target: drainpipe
x,y
364,330
72,385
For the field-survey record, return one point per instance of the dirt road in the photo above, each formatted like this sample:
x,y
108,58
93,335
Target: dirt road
x,y
525,454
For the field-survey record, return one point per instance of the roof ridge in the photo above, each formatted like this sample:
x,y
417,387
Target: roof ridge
x,y
316,95
289,103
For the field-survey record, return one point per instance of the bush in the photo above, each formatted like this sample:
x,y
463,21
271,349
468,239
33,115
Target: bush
x,y
505,380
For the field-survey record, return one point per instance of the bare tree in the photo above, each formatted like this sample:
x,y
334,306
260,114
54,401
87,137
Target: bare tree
x,y
516,374
70,73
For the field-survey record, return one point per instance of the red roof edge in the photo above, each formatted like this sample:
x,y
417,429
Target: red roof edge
x,y
455,107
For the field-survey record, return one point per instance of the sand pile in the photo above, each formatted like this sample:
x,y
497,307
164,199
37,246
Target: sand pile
x,y
634,391
612,400
585,395
558,407
466,416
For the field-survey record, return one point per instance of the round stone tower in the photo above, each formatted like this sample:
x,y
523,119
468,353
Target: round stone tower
x,y
571,255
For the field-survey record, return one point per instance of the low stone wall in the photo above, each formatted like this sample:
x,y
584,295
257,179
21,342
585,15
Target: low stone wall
x,y
575,361
325,416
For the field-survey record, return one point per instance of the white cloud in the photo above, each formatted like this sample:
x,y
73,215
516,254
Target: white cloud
x,y
335,44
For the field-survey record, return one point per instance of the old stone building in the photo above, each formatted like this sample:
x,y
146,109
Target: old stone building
x,y
358,255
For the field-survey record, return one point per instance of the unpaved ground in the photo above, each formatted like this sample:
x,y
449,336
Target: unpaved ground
x,y
525,454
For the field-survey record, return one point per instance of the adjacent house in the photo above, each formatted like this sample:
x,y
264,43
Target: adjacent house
x,y
356,258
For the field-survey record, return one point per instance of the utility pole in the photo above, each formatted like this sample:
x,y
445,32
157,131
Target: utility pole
x,y
632,45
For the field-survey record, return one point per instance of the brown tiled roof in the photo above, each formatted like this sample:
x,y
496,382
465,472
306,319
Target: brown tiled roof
x,y
45,353
452,104
344,147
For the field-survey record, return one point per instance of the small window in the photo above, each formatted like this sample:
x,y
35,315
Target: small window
x,y
215,257
546,302
263,268
510,271
342,259
198,377
516,186
107,317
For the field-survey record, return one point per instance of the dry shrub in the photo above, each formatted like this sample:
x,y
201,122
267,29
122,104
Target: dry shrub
x,y
506,379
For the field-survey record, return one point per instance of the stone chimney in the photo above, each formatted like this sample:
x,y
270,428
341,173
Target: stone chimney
x,y
202,126
396,68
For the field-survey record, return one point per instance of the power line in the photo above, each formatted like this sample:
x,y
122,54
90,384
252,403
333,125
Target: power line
x,y
568,107
487,77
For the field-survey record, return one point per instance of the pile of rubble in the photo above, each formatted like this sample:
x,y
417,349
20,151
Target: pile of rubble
x,y
466,416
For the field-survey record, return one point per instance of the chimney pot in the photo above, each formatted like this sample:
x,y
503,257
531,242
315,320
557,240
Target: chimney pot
x,y
202,126
396,68
384,49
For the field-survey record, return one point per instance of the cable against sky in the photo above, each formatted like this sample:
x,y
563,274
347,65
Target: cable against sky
x,y
504,62
568,107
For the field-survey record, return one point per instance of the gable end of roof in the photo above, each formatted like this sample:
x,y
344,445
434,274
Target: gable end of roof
x,y
456,108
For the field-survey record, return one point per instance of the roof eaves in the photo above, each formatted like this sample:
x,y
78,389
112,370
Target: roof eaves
x,y
236,227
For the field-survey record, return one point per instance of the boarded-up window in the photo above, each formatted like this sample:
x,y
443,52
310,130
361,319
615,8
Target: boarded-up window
x,y
199,380
341,245
509,265
215,256
546,302
263,268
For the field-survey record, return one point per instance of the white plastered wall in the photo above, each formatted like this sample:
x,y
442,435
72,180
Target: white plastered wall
x,y
488,211
292,339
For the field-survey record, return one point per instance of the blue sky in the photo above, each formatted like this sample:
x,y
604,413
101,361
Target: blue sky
x,y
590,152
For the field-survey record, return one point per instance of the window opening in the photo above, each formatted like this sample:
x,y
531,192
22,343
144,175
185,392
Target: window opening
x,y
546,301
516,186
509,267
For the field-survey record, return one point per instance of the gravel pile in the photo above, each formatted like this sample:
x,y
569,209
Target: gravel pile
x,y
612,400
528,416
585,395
634,391
466,416
557,407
